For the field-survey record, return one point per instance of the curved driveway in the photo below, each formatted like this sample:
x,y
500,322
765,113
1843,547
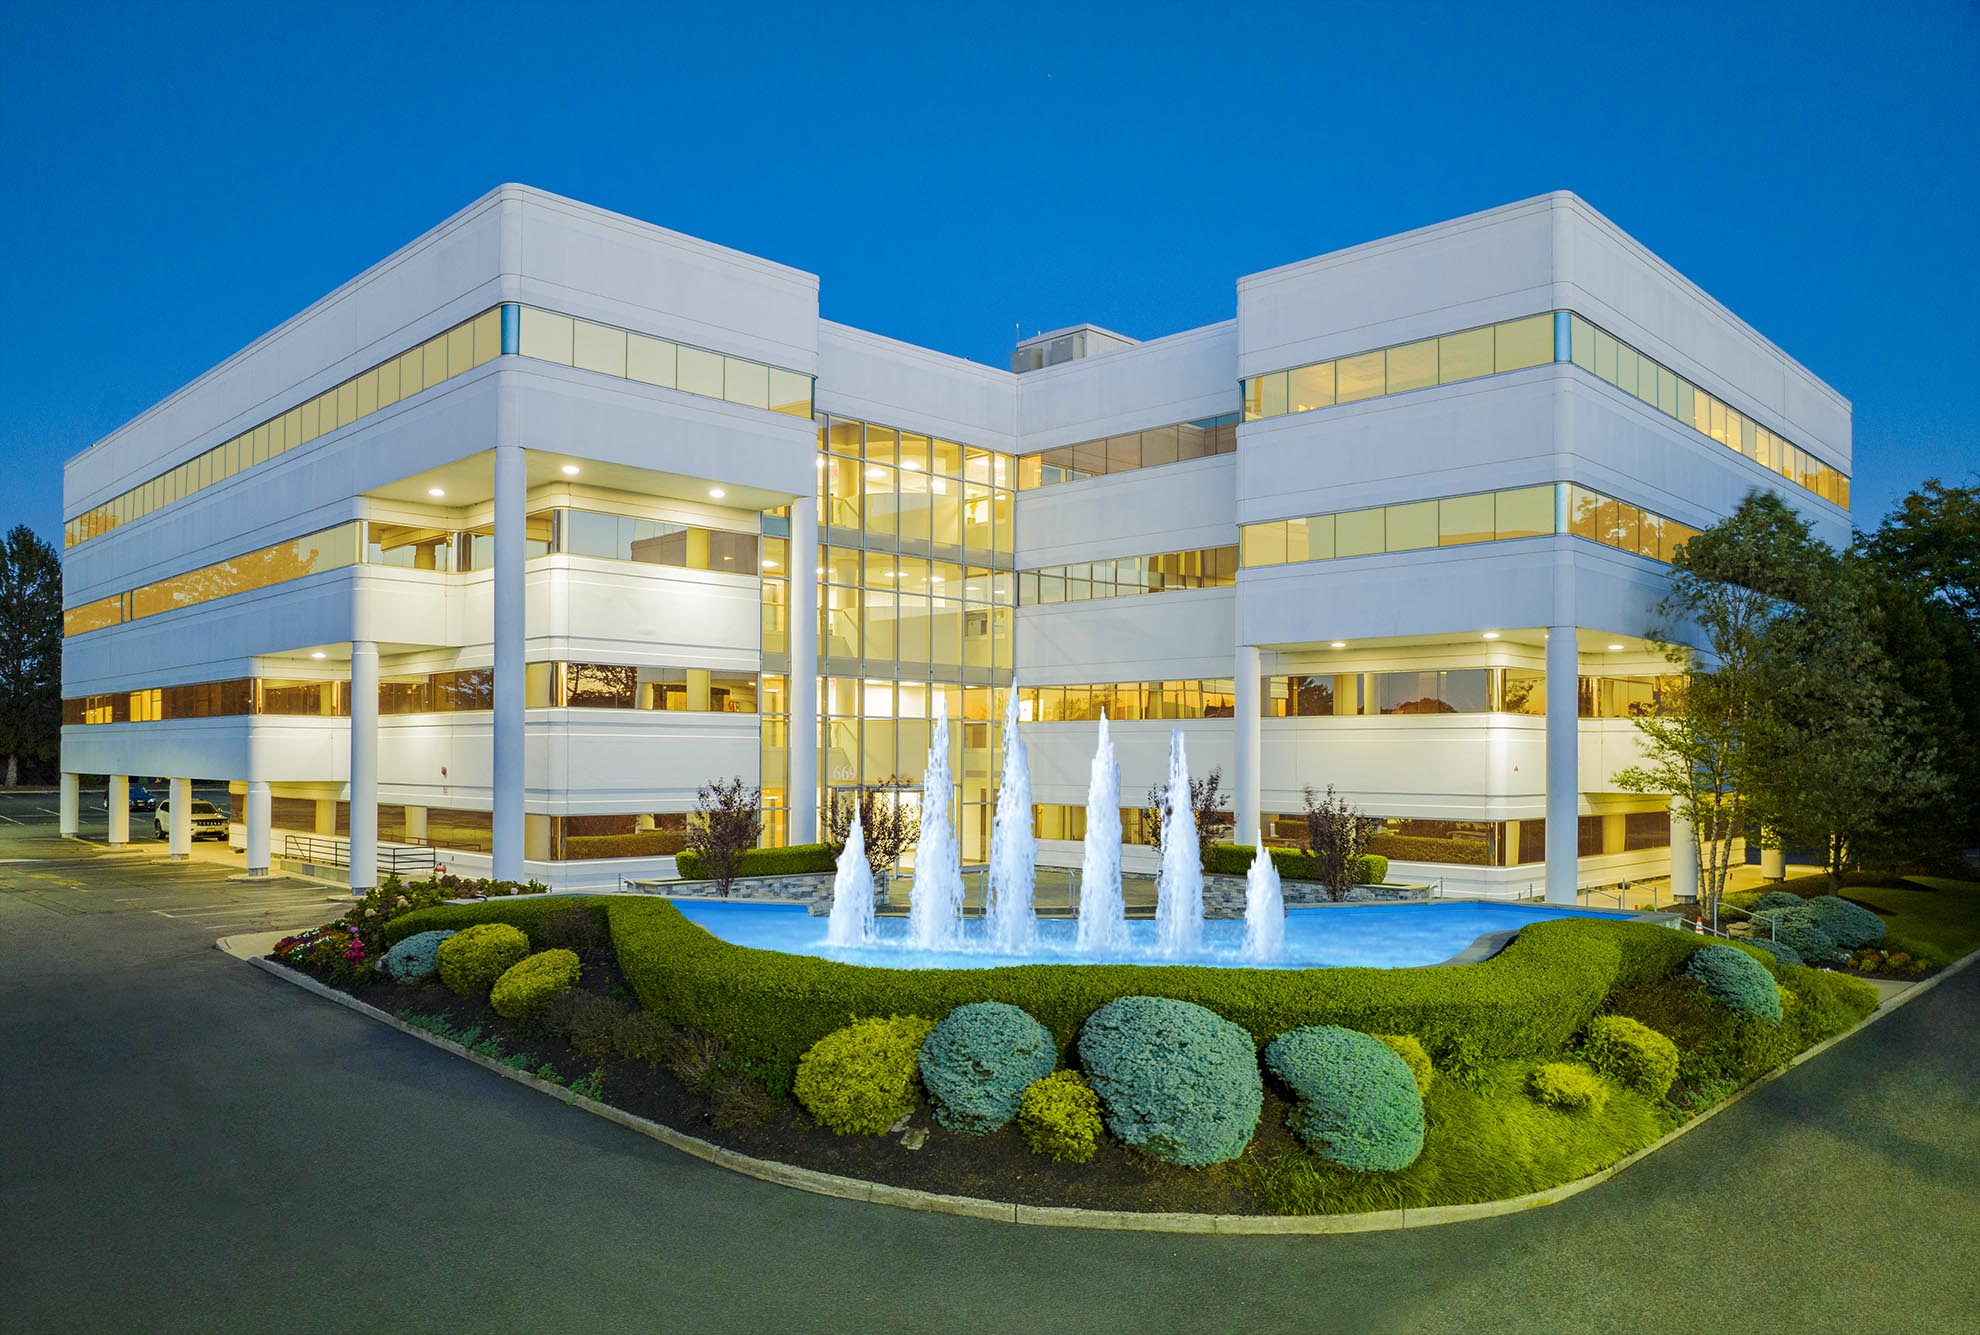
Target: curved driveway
x,y
181,1138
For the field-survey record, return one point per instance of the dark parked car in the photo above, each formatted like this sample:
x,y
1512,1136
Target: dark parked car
x,y
141,798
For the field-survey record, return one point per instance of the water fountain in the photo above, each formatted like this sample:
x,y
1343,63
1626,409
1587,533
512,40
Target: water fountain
x,y
1102,916
1179,884
1011,927
1264,911
935,908
852,893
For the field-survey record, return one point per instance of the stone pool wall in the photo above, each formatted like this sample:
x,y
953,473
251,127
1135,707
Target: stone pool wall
x,y
1223,895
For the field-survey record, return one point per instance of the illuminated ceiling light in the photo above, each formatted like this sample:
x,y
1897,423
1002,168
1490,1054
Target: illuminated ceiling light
x,y
1491,635
570,470
1615,648
769,565
819,462
435,492
876,473
1340,644
717,493
318,654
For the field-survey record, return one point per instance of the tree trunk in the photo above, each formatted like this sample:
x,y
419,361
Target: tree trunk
x,y
13,771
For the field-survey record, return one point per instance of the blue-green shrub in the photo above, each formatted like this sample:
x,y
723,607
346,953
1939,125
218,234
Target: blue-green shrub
x,y
977,1062
1782,952
1737,981
1777,899
414,958
1358,1102
1177,1081
1796,929
1852,925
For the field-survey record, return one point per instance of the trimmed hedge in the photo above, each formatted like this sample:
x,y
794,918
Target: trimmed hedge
x,y
1568,1088
860,1080
637,844
1410,1049
1359,1103
1293,864
1533,997
1632,1054
1059,1117
1421,848
978,1062
471,960
1852,925
797,860
527,915
1177,1081
523,989
1737,981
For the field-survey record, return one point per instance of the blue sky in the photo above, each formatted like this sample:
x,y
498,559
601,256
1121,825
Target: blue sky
x,y
180,180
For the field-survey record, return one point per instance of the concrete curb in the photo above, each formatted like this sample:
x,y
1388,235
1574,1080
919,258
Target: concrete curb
x,y
1056,1216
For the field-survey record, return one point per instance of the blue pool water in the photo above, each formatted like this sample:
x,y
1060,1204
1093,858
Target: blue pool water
x,y
1380,935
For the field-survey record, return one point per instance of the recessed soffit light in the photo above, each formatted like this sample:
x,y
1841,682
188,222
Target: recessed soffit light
x,y
717,493
436,492
570,470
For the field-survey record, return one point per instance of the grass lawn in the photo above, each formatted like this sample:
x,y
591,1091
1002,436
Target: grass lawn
x,y
1934,916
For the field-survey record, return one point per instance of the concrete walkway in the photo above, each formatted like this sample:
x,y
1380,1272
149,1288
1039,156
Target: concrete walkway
x,y
191,1145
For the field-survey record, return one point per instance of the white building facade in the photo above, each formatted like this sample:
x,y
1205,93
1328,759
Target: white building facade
x,y
509,544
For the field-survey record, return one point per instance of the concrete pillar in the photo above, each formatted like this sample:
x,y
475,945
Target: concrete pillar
x,y
117,802
511,494
326,817
415,825
1563,765
1615,833
802,751
179,794
1684,855
1248,712
260,816
536,838
698,689
71,806
364,766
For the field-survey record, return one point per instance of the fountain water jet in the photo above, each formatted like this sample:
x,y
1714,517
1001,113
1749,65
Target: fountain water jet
x,y
1179,885
1264,910
935,909
1011,928
852,893
1102,917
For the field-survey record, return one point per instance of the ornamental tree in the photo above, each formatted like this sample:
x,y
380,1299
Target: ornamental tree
x,y
1336,837
724,825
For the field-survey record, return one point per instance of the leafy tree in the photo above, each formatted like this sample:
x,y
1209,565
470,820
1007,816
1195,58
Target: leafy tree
x,y
724,825
30,652
1205,800
887,821
1336,837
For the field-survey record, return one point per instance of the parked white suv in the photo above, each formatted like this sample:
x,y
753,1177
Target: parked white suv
x,y
207,821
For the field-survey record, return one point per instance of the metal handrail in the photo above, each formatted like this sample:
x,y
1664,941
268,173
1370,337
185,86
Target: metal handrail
x,y
392,859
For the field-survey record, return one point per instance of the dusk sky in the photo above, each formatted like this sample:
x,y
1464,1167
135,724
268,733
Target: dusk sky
x,y
179,181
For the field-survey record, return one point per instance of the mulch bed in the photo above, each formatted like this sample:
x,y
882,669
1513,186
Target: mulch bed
x,y
997,1167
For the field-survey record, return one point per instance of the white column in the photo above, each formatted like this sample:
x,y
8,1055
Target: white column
x,y
511,488
1684,856
364,766
1250,738
118,802
179,828
1563,765
802,749
71,805
260,816
415,824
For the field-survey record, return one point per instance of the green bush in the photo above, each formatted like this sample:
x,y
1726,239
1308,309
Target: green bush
x,y
1422,848
1359,1104
1177,1081
529,915
1410,1049
634,844
979,1060
1059,1117
797,860
471,960
1569,1088
1531,998
523,988
860,1080
585,1020
1293,864
415,957
1782,952
1632,1054
1826,1003
1736,980
641,1036
1852,925
1797,929
1777,899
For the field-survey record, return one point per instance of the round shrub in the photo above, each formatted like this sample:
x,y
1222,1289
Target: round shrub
x,y
1059,1117
860,1080
414,958
1358,1100
1410,1049
1796,929
1782,952
1177,1081
1568,1088
472,959
1736,980
978,1061
1632,1054
1852,925
525,985
1777,899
